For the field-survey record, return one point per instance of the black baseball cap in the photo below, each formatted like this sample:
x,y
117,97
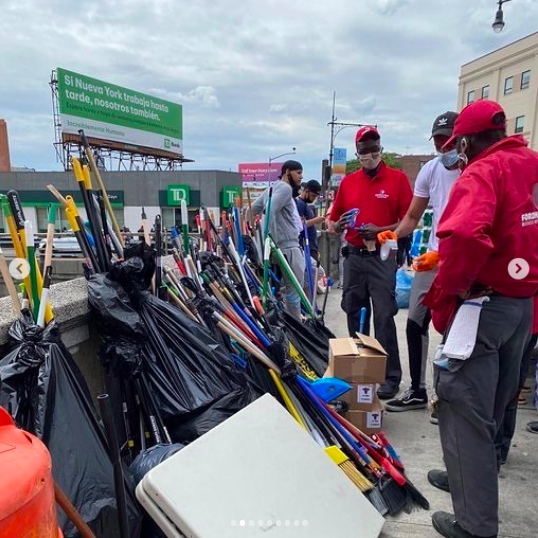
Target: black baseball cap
x,y
291,165
313,186
444,124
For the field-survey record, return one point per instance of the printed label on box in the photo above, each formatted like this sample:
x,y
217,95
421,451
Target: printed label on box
x,y
373,419
365,394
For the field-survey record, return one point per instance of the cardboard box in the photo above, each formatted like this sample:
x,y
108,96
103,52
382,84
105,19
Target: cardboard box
x,y
357,361
361,397
367,421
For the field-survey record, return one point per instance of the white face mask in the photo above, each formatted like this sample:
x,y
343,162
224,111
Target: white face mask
x,y
370,160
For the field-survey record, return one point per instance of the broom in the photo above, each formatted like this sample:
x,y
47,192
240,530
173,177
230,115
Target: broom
x,y
10,285
100,184
47,267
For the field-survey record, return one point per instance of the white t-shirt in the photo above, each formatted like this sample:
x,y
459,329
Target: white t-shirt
x,y
434,181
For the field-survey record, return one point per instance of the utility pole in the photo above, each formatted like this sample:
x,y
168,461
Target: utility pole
x,y
336,127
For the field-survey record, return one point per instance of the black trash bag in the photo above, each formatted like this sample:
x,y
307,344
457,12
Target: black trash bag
x,y
43,389
311,339
200,370
143,463
150,458
187,369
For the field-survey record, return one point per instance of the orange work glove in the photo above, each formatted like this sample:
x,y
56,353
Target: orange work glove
x,y
426,262
382,237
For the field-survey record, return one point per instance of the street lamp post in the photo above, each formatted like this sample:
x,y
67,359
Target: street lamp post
x,y
340,126
498,23
271,159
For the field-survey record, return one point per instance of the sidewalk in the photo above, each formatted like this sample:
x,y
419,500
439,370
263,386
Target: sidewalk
x,y
417,442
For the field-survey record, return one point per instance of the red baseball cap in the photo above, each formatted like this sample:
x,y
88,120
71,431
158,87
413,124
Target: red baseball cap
x,y
475,118
363,131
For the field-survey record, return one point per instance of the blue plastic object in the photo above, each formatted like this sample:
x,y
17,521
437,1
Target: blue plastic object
x,y
362,320
404,279
329,388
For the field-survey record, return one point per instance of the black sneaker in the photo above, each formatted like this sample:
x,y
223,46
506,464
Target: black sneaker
x,y
411,399
434,419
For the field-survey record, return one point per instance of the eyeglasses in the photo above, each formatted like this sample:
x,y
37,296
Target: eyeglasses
x,y
368,149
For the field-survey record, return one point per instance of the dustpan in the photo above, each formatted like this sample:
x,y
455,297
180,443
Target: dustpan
x,y
329,388
255,473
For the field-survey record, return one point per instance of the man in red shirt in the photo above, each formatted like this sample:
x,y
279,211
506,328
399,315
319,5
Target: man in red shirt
x,y
488,247
380,195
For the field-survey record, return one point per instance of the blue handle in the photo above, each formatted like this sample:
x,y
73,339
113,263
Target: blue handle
x,y
263,339
363,319
343,432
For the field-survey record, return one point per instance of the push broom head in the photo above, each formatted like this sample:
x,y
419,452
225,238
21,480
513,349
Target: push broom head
x,y
351,471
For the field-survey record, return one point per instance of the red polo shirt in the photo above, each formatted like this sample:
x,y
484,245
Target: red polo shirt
x,y
383,200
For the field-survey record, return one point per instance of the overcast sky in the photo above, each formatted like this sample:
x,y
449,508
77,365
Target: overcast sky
x,y
255,78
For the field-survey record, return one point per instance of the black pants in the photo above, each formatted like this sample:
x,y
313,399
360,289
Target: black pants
x,y
472,399
367,277
508,426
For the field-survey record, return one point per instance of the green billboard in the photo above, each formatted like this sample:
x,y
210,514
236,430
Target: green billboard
x,y
113,113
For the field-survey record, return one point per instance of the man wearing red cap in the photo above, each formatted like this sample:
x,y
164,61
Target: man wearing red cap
x,y
488,274
369,201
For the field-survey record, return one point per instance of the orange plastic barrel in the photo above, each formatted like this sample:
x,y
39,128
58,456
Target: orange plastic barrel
x,y
27,505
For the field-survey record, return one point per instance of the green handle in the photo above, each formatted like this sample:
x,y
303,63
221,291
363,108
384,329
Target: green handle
x,y
52,213
293,279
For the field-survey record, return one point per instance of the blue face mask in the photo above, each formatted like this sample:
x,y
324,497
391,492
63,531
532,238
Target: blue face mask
x,y
449,159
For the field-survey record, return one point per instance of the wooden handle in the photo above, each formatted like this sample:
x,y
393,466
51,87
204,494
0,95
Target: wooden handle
x,y
71,512
10,285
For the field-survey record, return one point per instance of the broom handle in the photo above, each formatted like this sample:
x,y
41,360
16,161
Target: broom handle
x,y
95,170
10,285
72,513
293,279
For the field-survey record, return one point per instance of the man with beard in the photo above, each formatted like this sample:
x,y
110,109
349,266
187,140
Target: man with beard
x,y
369,201
285,225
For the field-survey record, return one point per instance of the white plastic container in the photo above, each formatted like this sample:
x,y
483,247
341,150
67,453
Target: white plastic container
x,y
387,247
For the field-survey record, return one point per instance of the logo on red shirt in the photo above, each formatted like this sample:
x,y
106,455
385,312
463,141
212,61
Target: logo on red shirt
x,y
381,194
530,219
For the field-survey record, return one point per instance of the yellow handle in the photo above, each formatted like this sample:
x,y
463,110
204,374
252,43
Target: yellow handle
x,y
72,219
289,404
77,169
87,177
71,205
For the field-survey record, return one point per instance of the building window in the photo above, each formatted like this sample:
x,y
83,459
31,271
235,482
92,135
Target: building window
x,y
485,92
520,124
470,96
525,79
508,85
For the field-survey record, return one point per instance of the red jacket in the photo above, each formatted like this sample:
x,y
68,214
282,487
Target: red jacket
x,y
490,219
382,200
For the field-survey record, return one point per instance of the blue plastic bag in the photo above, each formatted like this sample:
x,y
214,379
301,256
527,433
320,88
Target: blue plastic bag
x,y
404,279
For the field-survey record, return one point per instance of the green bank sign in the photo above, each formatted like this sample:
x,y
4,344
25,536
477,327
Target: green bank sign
x,y
114,113
176,193
228,196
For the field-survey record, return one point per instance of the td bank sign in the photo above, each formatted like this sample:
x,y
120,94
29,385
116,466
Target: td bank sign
x,y
177,193
228,196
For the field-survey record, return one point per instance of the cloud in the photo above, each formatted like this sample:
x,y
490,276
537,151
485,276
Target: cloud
x,y
255,78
